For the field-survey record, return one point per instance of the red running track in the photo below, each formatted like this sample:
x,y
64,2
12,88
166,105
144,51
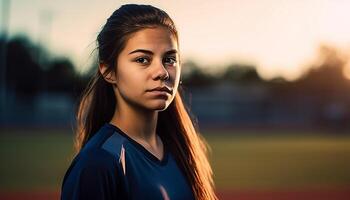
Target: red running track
x,y
314,194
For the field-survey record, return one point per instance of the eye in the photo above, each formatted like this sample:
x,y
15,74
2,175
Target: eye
x,y
142,60
170,60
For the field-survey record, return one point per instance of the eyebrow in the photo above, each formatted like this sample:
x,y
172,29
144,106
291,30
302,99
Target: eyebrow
x,y
172,51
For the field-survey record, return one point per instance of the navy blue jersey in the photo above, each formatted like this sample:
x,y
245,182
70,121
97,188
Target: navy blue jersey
x,y
114,166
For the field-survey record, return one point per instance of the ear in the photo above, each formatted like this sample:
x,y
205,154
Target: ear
x,y
110,77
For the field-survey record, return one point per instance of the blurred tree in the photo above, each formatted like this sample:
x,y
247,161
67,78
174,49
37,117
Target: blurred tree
x,y
193,75
324,88
23,73
61,76
30,70
240,73
326,74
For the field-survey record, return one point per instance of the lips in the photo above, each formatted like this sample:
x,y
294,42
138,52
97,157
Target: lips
x,y
162,89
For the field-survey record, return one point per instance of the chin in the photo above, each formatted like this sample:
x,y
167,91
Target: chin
x,y
160,106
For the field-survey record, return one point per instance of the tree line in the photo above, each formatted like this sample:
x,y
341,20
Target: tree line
x,y
31,70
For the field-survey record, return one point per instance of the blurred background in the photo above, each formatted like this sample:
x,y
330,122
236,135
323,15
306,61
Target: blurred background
x,y
268,82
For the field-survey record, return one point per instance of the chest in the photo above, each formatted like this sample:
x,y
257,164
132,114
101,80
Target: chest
x,y
147,179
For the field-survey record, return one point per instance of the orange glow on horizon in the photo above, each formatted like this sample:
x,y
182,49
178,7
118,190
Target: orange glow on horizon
x,y
346,70
278,36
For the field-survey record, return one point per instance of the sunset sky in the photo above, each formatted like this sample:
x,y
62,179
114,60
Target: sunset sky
x,y
280,37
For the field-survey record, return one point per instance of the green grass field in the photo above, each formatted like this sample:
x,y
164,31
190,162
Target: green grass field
x,y
36,160
277,161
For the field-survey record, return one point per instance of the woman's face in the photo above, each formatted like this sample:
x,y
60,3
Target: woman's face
x,y
148,71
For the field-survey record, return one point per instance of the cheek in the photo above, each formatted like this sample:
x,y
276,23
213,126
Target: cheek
x,y
174,73
130,81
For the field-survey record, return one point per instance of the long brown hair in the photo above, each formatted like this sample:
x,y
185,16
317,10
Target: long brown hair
x,y
174,126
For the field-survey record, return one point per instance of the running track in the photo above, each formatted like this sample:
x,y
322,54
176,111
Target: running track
x,y
324,194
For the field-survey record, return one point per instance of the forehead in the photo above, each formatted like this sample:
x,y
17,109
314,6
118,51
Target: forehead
x,y
154,39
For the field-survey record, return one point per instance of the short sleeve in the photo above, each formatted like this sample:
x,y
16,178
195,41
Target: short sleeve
x,y
91,179
94,182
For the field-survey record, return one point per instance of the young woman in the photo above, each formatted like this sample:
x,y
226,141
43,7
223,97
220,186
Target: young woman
x,y
135,139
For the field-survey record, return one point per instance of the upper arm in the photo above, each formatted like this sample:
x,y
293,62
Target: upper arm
x,y
93,178
94,182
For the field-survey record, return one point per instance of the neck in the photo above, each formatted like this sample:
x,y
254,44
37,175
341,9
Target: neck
x,y
137,123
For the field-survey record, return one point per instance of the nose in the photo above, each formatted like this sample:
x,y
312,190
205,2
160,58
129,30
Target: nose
x,y
160,72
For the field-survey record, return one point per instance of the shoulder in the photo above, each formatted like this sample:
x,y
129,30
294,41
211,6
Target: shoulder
x,y
93,174
97,171
101,154
107,140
